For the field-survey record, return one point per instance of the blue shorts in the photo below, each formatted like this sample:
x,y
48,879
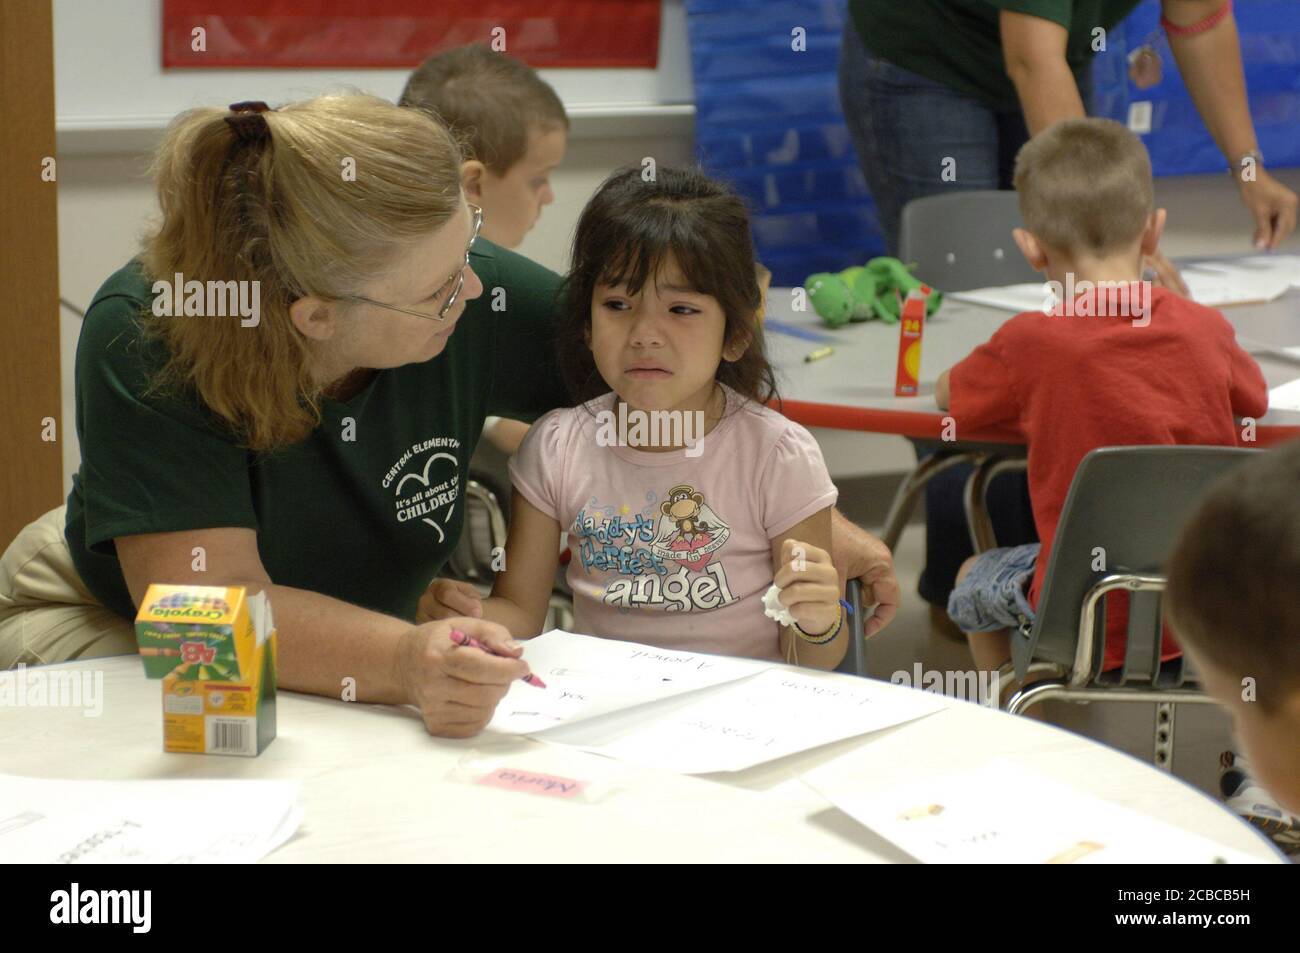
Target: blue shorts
x,y
994,594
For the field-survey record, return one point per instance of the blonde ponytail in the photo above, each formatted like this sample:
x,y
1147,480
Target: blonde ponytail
x,y
318,203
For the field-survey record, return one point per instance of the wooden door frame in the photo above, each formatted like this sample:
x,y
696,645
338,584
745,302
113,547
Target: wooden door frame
x,y
31,418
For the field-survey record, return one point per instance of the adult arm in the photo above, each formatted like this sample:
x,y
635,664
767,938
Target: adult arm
x,y
859,555
1210,63
1033,50
322,641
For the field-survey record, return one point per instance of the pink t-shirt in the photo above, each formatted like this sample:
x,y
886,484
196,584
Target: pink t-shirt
x,y
669,549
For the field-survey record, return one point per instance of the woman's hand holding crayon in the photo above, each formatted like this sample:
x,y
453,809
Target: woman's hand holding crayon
x,y
457,688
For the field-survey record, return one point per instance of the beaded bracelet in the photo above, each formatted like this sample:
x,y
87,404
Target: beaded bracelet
x,y
1200,26
824,637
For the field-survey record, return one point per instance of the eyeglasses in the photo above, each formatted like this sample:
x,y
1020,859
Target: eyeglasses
x,y
456,282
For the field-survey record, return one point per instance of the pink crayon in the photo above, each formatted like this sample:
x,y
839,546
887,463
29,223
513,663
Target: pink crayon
x,y
460,638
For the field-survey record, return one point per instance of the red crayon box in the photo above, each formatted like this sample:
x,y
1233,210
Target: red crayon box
x,y
910,329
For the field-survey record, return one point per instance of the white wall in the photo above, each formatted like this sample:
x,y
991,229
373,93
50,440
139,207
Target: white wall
x,y
113,100
108,72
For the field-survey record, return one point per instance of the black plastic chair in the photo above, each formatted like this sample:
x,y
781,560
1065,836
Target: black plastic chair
x,y
1124,510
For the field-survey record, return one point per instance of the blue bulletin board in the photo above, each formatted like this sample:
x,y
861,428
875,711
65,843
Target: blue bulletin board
x,y
1178,140
768,119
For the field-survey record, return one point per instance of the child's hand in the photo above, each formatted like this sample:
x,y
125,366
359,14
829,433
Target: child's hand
x,y
449,599
810,586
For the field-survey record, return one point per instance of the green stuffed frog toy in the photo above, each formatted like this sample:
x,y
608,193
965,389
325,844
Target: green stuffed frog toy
x,y
863,293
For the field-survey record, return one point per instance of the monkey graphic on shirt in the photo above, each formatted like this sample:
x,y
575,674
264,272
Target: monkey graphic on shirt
x,y
661,556
689,531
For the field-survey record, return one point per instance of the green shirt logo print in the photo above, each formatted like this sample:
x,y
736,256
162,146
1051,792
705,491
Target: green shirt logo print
x,y
426,497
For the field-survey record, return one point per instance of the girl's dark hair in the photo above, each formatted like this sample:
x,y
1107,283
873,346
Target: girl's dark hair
x,y
626,233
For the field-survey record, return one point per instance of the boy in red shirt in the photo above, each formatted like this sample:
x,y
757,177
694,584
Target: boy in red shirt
x,y
1115,362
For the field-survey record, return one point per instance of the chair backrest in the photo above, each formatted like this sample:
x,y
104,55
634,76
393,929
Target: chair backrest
x,y
484,529
962,240
1126,506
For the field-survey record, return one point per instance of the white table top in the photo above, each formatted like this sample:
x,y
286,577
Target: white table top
x,y
860,374
376,787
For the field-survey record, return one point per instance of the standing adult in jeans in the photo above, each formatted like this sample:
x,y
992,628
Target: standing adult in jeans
x,y
928,81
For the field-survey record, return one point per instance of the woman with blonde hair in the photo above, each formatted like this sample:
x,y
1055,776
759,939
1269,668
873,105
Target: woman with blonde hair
x,y
271,395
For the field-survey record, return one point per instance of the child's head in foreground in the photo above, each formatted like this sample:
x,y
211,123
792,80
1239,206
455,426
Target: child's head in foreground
x,y
1233,598
1086,196
511,124
662,298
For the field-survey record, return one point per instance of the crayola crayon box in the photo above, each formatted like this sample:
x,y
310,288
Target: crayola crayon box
x,y
214,649
910,328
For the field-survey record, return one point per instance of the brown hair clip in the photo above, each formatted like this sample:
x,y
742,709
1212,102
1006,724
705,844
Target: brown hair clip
x,y
249,124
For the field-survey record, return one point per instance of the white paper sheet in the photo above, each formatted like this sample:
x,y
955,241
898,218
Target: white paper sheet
x,y
732,727
1003,812
1270,268
1285,396
46,821
1218,284
1215,284
1262,349
587,677
1016,298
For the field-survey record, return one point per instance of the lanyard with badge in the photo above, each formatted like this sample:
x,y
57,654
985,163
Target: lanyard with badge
x,y
1144,66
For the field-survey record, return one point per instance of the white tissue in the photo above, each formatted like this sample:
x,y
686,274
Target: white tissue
x,y
773,607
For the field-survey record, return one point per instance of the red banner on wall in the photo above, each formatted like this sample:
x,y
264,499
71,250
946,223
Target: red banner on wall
x,y
401,33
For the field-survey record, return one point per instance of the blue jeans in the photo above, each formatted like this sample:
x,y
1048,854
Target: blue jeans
x,y
995,593
904,125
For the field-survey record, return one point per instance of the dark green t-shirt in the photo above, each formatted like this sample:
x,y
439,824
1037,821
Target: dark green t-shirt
x,y
369,520
958,42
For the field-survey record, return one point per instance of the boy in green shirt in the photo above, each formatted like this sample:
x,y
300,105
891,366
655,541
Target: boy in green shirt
x,y
510,123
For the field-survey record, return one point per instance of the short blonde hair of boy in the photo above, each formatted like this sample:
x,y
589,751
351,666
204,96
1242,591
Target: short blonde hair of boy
x,y
1085,186
489,101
